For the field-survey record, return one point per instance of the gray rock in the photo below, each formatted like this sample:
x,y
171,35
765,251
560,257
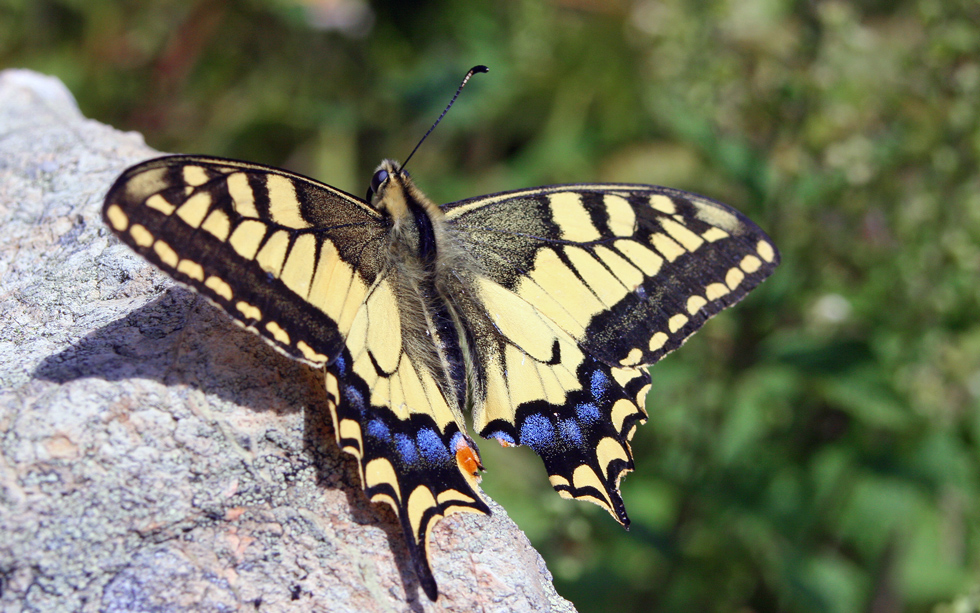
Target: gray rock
x,y
153,456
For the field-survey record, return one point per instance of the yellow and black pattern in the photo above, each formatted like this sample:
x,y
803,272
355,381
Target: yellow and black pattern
x,y
289,258
611,278
539,309
630,270
423,469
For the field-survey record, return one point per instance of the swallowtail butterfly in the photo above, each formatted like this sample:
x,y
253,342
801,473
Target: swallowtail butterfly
x,y
538,310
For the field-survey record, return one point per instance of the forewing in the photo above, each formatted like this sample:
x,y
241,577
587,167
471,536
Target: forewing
x,y
630,271
287,257
576,290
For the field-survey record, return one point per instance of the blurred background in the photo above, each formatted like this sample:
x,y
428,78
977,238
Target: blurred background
x,y
816,448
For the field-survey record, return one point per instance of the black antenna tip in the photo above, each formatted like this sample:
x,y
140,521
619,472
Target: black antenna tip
x,y
472,71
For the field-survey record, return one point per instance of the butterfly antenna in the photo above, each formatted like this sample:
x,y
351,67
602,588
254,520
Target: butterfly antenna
x,y
469,74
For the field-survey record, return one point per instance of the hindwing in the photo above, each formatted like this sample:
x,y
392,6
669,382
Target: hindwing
x,y
419,462
580,288
539,387
402,419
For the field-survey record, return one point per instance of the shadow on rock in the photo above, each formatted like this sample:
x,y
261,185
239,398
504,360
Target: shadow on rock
x,y
181,339
320,444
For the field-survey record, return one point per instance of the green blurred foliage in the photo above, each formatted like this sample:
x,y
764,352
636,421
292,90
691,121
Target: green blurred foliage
x,y
816,448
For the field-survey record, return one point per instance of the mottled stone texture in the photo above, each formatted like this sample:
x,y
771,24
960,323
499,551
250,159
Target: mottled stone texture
x,y
153,456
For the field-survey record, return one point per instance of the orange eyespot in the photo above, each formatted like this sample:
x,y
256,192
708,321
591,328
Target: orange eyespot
x,y
468,460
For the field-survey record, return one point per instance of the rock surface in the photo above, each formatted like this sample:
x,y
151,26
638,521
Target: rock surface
x,y
155,457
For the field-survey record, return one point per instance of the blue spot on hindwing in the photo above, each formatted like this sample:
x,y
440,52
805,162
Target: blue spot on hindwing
x,y
354,398
587,412
537,433
570,431
599,384
406,448
341,364
378,429
456,441
432,446
500,435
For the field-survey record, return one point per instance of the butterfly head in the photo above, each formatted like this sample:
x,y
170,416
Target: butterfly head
x,y
387,192
392,192
378,180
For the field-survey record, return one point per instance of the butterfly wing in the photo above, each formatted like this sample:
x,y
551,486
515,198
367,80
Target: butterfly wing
x,y
579,288
402,419
306,267
286,257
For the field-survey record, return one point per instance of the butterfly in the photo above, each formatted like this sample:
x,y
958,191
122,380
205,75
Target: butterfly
x,y
537,310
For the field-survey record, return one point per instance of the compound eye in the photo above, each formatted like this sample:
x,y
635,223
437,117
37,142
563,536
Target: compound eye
x,y
379,177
